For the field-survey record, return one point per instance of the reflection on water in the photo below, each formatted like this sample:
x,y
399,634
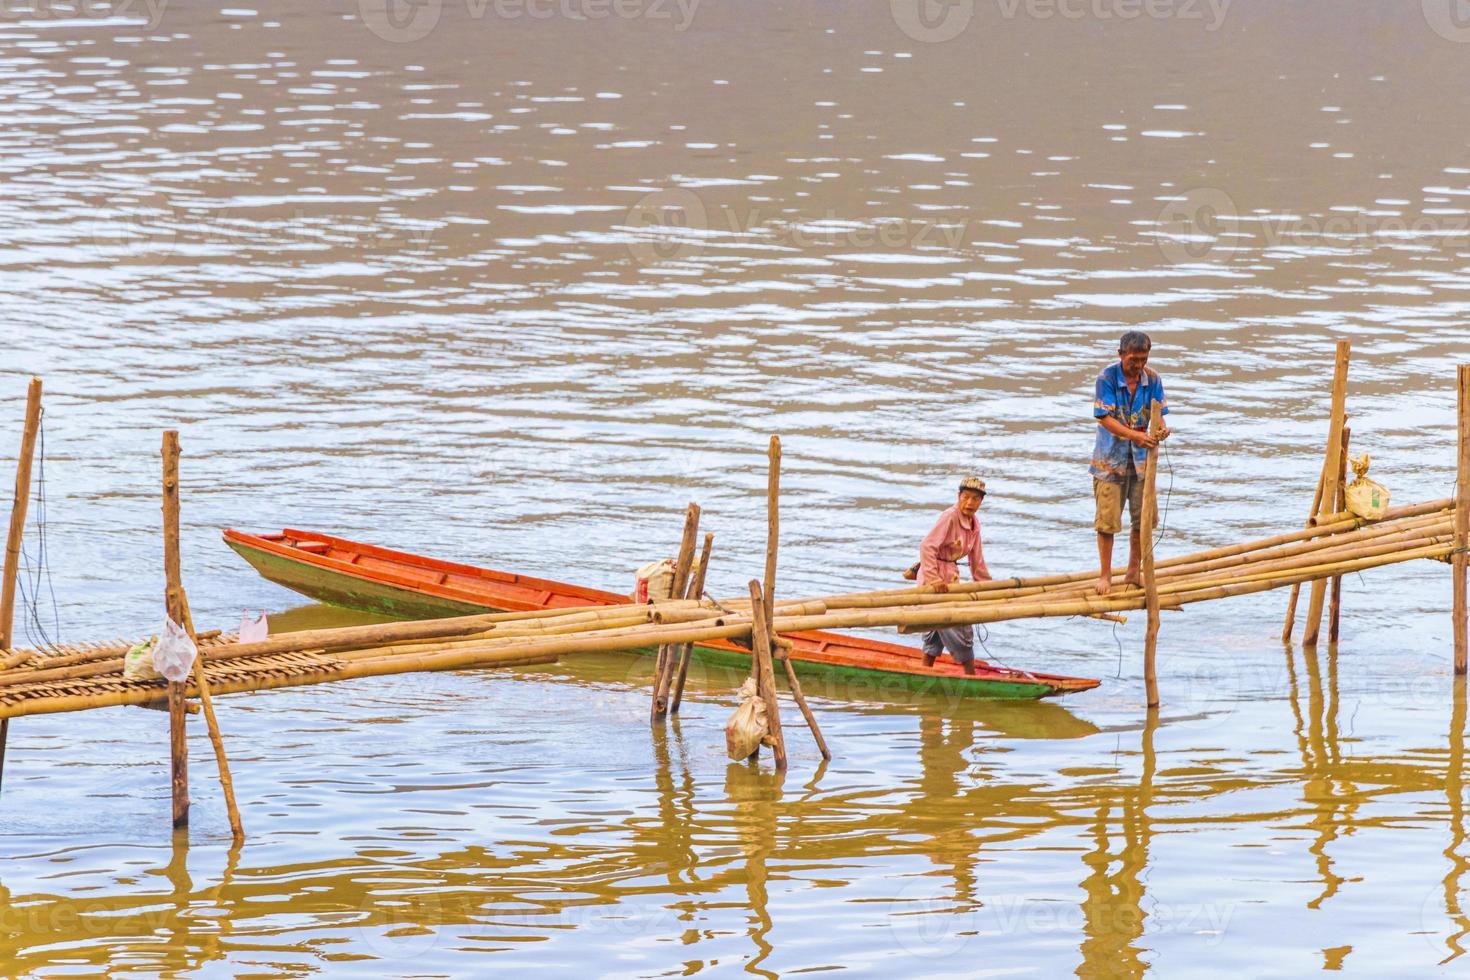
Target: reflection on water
x,y
514,289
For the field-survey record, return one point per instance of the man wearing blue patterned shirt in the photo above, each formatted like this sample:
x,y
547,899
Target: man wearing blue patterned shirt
x,y
1122,404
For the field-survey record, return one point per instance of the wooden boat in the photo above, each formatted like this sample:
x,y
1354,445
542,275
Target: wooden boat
x,y
405,586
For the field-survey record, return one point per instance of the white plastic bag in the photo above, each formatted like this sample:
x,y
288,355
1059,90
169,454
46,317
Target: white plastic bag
x,y
655,581
174,653
748,725
253,629
138,662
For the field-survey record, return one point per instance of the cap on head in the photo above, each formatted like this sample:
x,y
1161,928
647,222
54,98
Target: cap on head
x,y
973,483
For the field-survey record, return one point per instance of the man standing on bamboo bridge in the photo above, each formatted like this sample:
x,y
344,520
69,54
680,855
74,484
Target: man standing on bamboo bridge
x,y
955,535
1122,405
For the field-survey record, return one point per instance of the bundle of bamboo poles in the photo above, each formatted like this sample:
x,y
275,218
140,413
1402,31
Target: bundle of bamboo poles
x,y
1332,547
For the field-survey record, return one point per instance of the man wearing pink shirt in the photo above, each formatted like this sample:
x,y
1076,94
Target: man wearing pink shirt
x,y
955,535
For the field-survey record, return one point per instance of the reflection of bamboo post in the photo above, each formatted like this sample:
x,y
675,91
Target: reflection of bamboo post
x,y
663,670
760,642
1313,622
1334,605
686,653
226,781
1462,518
1146,540
17,529
178,744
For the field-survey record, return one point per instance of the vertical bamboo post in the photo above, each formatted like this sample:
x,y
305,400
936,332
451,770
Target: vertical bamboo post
x,y
664,667
173,599
1146,540
1334,606
1313,624
226,781
686,652
1462,518
1296,589
17,530
760,643
773,522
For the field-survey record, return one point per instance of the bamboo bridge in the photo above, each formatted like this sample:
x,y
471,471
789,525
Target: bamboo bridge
x,y
1333,542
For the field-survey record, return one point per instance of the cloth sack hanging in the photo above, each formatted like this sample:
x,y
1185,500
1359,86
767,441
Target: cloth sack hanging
x,y
1366,498
748,725
654,581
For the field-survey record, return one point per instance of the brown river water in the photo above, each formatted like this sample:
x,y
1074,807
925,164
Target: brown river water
x,y
510,282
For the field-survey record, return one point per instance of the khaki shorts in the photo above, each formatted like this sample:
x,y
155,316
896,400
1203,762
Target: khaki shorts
x,y
1109,500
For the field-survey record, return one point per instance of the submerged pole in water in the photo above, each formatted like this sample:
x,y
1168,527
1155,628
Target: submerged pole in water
x,y
1313,624
1462,517
663,671
686,652
17,529
1146,539
177,742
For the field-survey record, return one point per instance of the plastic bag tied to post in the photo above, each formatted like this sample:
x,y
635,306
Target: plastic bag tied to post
x,y
173,655
748,725
1366,498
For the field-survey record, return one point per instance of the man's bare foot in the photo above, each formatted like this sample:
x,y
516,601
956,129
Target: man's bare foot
x,y
969,667
1104,584
1133,580
928,660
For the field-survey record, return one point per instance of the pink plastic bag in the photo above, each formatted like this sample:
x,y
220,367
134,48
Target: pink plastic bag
x,y
253,629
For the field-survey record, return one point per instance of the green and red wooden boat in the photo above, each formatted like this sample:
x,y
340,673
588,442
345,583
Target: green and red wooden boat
x,y
405,586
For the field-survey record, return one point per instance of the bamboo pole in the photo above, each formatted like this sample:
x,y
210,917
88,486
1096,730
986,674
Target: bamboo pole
x,y
1146,537
773,522
663,672
1462,519
806,712
1313,624
201,684
760,642
18,507
1334,605
1290,624
686,651
173,599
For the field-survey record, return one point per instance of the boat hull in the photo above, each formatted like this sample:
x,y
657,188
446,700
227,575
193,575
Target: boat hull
x,y
400,585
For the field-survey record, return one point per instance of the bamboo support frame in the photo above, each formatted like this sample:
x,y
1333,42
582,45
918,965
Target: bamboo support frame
x,y
177,740
206,701
762,632
1313,624
663,671
686,651
1296,590
1334,604
1146,538
18,508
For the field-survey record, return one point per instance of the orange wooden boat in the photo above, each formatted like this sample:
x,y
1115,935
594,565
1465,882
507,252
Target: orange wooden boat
x,y
394,583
